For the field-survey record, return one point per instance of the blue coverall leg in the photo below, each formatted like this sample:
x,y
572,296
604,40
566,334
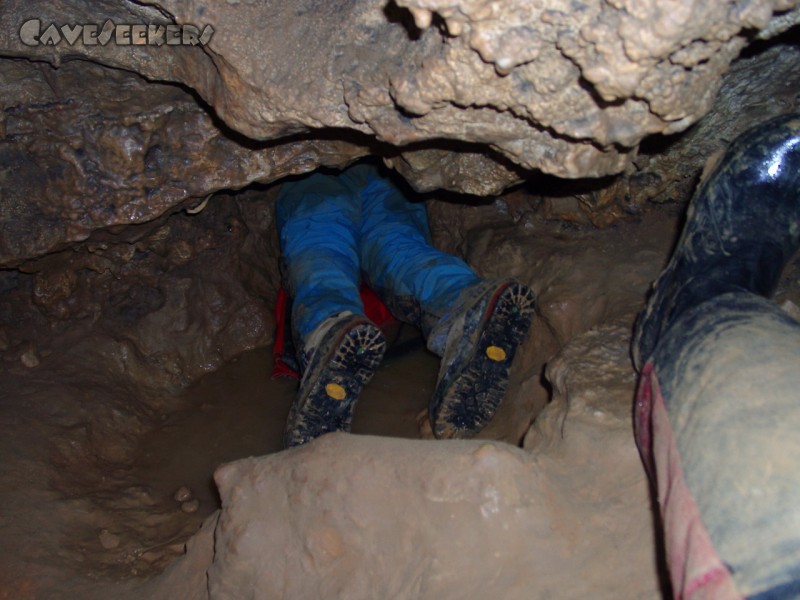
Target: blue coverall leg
x,y
418,282
338,349
318,219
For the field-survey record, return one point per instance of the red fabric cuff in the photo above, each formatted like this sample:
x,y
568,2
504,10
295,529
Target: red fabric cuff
x,y
374,309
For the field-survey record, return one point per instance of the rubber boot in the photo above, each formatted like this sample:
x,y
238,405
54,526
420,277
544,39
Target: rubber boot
x,y
742,226
319,219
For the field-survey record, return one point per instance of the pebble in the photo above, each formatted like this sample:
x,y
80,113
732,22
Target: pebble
x,y
791,309
182,494
190,506
29,359
177,548
108,540
151,556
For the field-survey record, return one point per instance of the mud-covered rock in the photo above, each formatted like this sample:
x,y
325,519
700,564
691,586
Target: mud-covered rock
x,y
593,383
153,305
764,83
761,84
361,517
88,148
477,173
123,279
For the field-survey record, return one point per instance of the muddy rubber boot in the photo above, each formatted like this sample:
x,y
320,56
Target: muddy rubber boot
x,y
742,226
492,319
343,354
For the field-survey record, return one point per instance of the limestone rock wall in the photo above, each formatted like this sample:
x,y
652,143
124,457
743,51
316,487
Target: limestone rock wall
x,y
107,152
471,96
150,306
569,88
87,147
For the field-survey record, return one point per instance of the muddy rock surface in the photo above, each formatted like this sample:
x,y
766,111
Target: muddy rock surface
x,y
153,305
468,519
762,83
104,457
89,148
360,516
93,468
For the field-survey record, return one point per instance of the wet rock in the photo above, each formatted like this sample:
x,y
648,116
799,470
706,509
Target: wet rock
x,y
29,358
109,262
108,540
547,86
139,495
158,303
465,519
593,384
182,494
791,309
94,148
151,556
761,84
477,173
186,577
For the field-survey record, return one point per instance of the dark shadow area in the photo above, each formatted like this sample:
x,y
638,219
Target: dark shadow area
x,y
403,17
790,37
550,185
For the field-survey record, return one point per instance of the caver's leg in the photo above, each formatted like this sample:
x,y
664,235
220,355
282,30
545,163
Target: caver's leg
x,y
318,219
718,409
475,325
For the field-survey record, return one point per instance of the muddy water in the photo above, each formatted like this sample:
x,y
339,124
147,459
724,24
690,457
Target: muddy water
x,y
239,411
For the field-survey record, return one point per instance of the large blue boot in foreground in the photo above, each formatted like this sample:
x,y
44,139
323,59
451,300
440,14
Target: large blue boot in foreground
x,y
742,226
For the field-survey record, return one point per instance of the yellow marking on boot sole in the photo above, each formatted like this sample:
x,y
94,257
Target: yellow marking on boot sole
x,y
335,391
496,353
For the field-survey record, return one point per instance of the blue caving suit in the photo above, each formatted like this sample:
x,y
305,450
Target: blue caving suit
x,y
339,228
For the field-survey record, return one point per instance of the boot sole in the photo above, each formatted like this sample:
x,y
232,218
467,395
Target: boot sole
x,y
326,402
467,400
